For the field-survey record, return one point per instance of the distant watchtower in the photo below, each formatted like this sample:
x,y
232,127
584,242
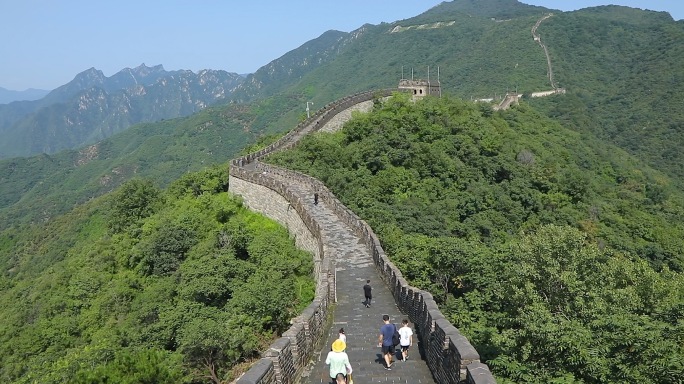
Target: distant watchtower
x,y
420,87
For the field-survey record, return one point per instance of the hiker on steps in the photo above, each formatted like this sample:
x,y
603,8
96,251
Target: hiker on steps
x,y
385,341
339,362
406,334
368,293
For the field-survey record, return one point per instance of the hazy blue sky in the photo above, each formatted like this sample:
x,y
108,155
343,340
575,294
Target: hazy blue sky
x,y
45,43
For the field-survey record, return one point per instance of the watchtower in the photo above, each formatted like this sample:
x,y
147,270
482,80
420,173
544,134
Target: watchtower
x,y
421,87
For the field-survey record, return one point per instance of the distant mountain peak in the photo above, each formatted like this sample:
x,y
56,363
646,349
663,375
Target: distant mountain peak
x,y
93,107
89,77
8,96
92,71
142,68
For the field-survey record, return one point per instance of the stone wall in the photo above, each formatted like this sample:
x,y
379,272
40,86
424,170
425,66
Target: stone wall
x,y
450,356
288,356
262,198
336,123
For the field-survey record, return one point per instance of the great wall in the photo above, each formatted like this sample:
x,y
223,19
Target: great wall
x,y
513,97
346,252
537,37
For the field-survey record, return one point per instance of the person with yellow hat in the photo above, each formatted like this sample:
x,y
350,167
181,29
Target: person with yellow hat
x,y
339,362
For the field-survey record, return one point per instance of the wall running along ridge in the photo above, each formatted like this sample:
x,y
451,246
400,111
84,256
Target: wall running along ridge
x,y
449,355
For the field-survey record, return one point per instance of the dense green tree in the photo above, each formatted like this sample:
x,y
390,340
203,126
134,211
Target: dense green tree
x,y
134,200
133,367
209,279
167,249
177,292
556,256
204,341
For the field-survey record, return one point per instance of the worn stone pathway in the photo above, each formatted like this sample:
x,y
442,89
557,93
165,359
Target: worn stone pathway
x,y
361,324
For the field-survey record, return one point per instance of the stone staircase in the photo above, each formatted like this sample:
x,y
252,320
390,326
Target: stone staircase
x,y
353,266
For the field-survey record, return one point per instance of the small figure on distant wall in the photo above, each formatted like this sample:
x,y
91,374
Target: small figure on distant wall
x,y
316,198
368,293
342,336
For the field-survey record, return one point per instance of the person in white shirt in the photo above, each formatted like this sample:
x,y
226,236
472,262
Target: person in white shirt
x,y
342,336
405,339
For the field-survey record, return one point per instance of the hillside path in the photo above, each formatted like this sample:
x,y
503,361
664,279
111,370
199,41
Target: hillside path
x,y
362,325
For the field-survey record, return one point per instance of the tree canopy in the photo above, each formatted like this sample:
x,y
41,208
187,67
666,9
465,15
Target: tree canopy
x,y
147,285
556,255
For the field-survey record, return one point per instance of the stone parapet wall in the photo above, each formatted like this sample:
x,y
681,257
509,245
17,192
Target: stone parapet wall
x,y
336,123
314,123
262,197
289,355
450,356
262,372
449,353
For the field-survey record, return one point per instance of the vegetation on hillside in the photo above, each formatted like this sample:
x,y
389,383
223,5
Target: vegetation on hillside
x,y
35,189
147,285
559,257
620,66
623,69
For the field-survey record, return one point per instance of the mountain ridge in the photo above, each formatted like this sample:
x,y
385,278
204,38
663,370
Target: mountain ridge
x,y
330,79
92,106
534,158
8,95
484,54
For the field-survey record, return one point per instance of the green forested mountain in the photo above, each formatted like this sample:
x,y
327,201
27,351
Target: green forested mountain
x,y
145,285
93,107
288,70
620,66
37,188
624,82
559,256
550,233
486,51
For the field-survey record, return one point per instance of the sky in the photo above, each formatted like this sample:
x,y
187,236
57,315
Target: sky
x,y
45,43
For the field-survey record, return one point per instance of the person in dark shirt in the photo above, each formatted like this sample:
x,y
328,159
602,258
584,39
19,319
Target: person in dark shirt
x,y
367,292
385,341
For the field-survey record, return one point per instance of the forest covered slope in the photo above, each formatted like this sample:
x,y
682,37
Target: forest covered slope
x,y
550,232
620,67
560,258
147,285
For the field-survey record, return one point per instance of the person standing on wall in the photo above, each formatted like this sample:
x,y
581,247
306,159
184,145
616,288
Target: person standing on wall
x,y
385,341
339,362
368,293
406,339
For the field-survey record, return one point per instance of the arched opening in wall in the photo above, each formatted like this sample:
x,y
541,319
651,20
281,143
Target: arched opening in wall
x,y
415,92
421,91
